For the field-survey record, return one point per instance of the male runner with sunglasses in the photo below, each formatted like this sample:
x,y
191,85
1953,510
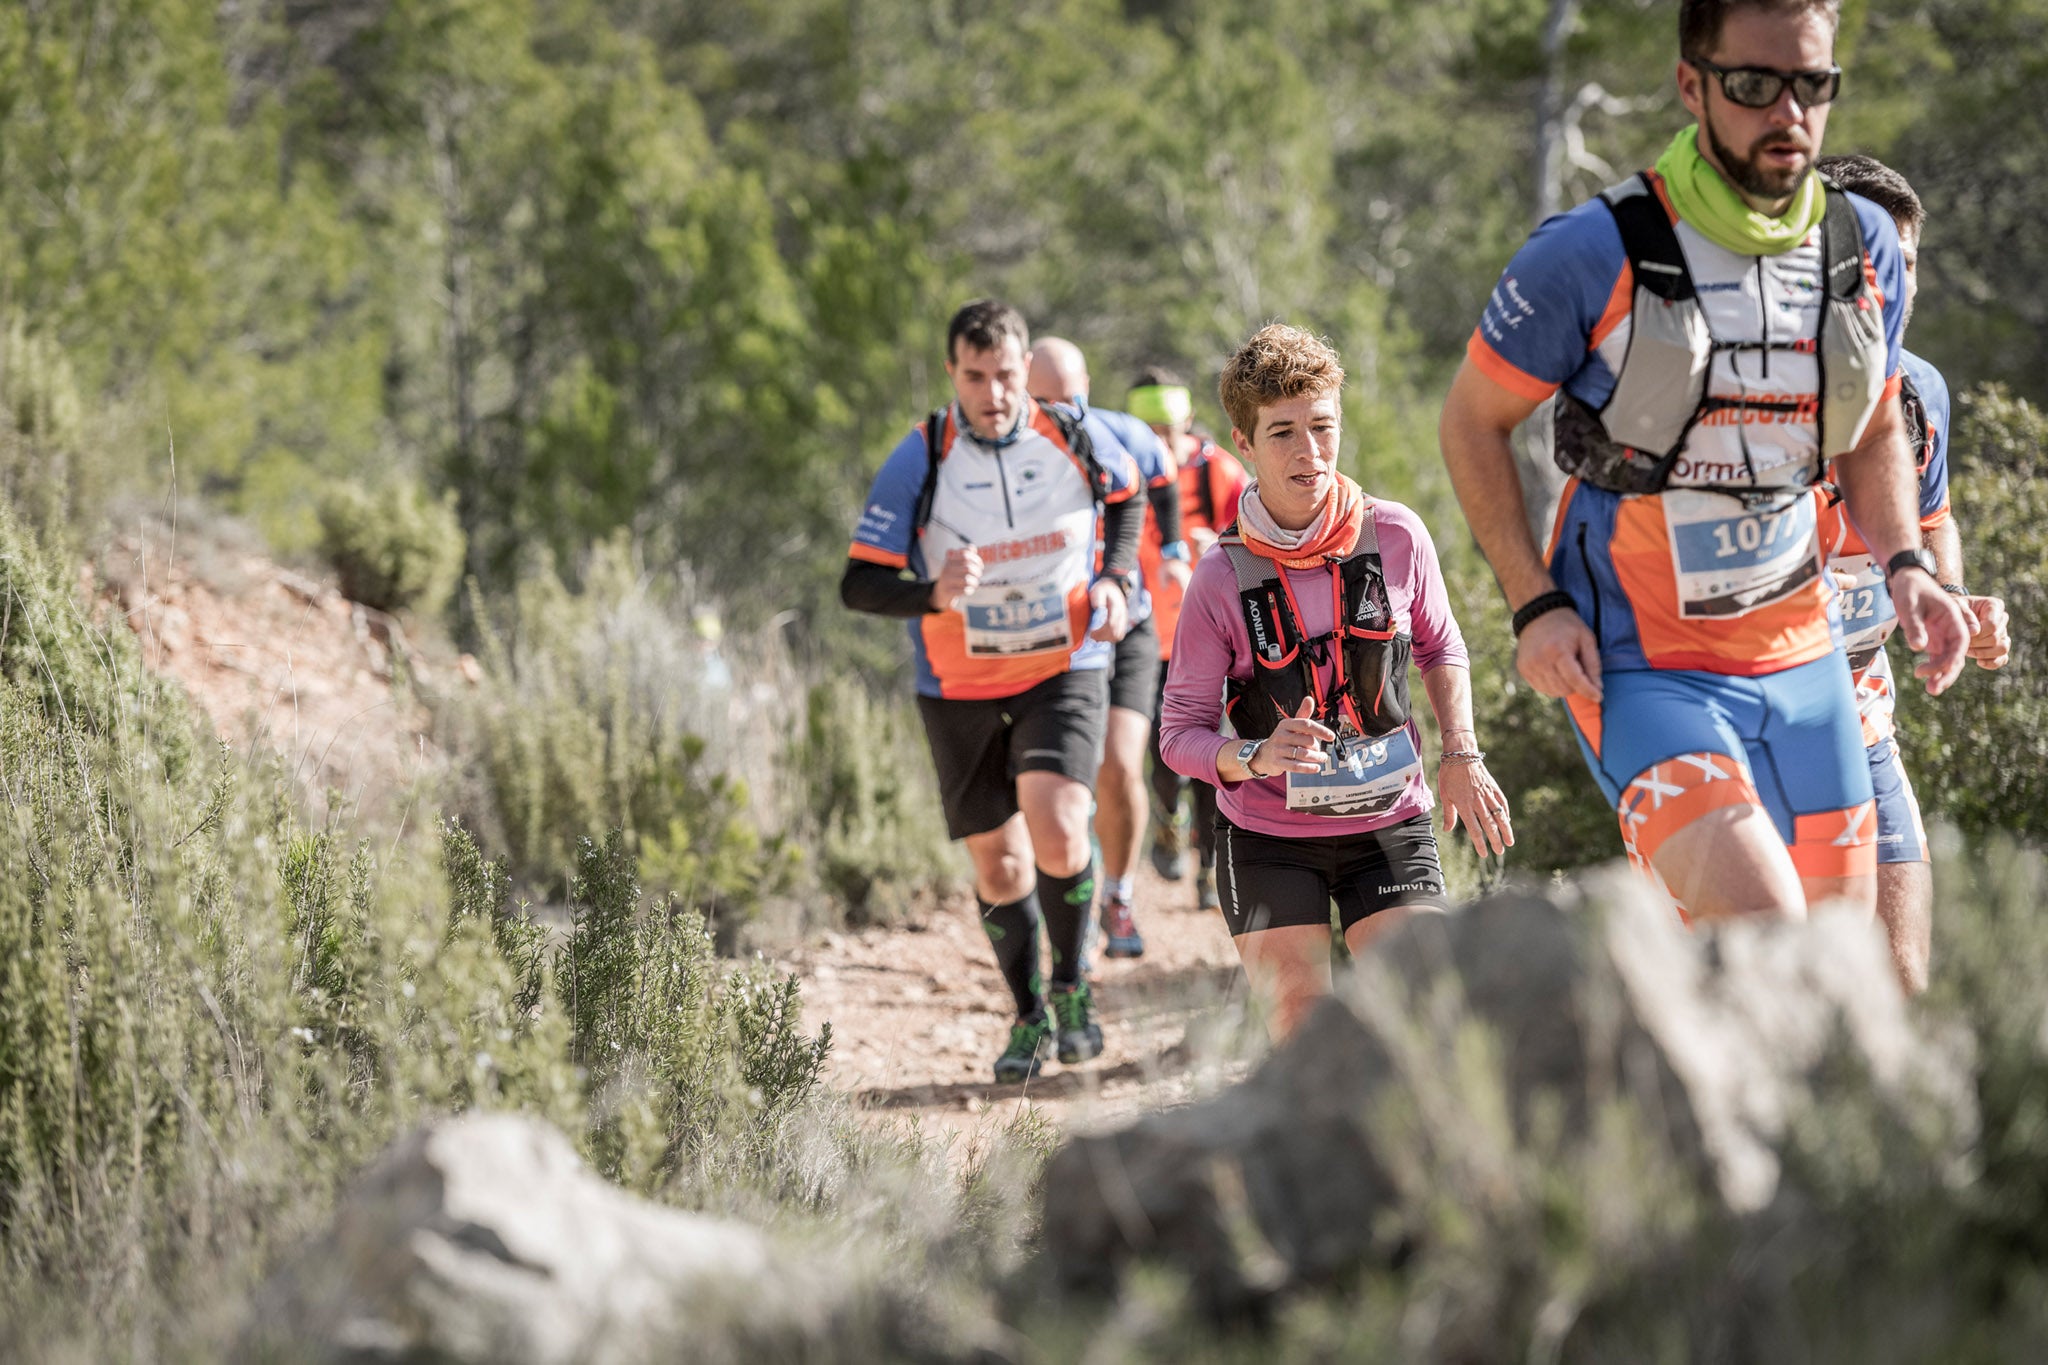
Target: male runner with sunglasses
x,y
1715,330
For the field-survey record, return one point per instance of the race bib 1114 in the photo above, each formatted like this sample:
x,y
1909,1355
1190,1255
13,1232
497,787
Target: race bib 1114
x,y
1017,618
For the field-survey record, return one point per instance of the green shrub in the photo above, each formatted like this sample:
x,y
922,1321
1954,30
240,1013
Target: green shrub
x,y
395,548
48,473
1978,754
597,711
871,816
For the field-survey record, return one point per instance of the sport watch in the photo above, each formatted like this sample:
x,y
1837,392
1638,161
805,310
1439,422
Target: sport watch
x,y
1245,752
1910,559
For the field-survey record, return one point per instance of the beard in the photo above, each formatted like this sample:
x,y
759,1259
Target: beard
x,y
1747,174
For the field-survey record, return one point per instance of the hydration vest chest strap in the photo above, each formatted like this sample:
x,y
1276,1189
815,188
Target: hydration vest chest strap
x,y
1073,435
1366,654
1633,440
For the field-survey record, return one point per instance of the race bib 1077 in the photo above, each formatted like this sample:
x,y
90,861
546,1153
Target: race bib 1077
x,y
1729,560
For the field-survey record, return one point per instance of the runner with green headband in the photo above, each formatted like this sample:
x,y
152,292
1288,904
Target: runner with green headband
x,y
1211,482
1711,333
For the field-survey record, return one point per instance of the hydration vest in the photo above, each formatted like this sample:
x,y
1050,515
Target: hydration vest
x,y
1074,436
1369,663
1630,443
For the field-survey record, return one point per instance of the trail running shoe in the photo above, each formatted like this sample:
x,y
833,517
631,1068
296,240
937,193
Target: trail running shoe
x,y
1030,1045
1169,856
1120,929
1080,1037
1205,890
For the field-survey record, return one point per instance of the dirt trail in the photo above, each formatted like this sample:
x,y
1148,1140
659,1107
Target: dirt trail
x,y
919,1014
280,660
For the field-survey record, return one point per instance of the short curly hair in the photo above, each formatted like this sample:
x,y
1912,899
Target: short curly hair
x,y
1279,362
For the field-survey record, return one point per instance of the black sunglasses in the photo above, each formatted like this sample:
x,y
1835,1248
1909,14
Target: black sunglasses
x,y
1758,87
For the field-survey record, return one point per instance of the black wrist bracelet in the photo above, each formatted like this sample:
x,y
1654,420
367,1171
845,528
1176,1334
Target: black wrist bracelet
x,y
1955,590
1542,605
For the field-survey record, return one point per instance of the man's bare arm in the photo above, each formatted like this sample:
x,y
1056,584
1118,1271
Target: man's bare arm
x,y
1945,543
1475,432
1556,652
1880,488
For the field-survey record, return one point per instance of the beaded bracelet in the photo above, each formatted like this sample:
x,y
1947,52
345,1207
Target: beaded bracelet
x,y
1955,590
1462,756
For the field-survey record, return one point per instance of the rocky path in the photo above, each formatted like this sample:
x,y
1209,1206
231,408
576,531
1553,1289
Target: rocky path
x,y
918,1015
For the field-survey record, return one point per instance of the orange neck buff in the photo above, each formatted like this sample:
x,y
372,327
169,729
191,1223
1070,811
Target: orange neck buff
x,y
1330,536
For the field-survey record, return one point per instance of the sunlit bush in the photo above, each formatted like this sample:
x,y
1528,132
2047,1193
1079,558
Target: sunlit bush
x,y
394,547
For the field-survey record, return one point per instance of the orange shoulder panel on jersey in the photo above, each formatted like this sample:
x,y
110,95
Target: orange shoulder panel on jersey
x,y
1042,422
1619,305
869,554
1766,639
1505,373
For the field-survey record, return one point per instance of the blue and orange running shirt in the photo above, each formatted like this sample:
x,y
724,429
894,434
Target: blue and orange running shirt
x,y
1690,578
1025,504
1155,470
1864,606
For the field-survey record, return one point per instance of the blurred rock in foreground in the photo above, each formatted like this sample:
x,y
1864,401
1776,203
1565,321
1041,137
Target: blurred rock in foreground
x,y
1571,1068
485,1238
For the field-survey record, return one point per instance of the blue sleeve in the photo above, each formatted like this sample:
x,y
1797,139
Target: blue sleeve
x,y
1933,390
1142,442
1887,272
885,531
1110,450
1551,301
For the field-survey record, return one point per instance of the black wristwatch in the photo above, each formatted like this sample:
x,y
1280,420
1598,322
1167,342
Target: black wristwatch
x,y
1910,559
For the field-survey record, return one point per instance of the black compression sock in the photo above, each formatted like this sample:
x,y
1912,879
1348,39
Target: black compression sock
x,y
1066,902
1013,933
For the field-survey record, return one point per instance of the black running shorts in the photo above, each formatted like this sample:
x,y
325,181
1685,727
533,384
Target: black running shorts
x,y
1266,882
979,747
1134,672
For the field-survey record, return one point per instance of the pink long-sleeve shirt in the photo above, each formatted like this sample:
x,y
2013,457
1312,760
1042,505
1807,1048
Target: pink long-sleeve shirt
x,y
1212,644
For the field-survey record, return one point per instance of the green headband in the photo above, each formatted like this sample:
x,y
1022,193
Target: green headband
x,y
1160,405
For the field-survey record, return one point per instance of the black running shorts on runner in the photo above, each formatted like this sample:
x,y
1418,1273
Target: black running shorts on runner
x,y
1266,882
979,747
1134,671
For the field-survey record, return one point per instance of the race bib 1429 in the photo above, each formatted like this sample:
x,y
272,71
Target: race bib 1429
x,y
1367,778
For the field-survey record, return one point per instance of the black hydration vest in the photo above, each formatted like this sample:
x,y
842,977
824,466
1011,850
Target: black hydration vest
x,y
1631,442
1371,658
